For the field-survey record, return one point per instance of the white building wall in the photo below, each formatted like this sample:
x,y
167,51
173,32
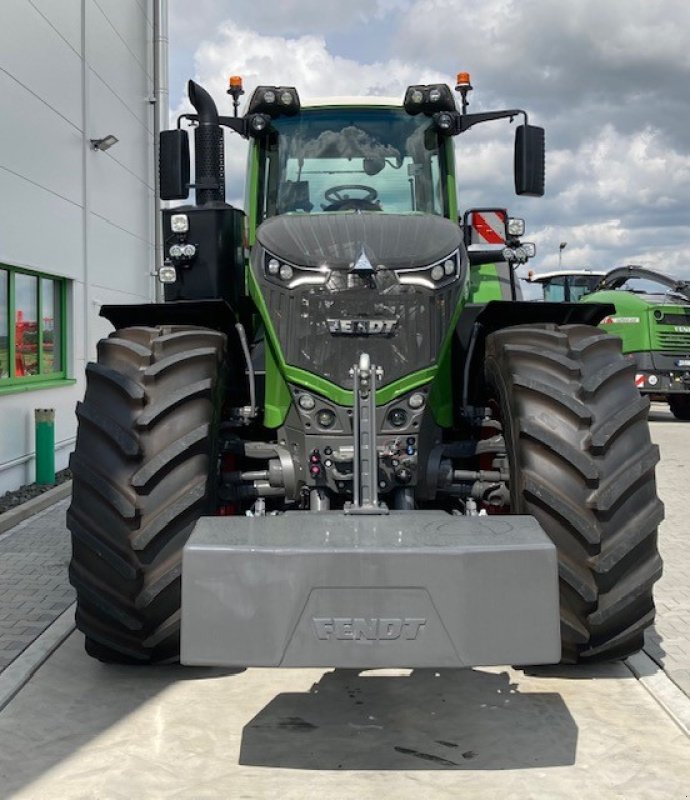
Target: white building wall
x,y
71,71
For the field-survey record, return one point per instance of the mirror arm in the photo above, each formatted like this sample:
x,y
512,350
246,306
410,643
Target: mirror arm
x,y
466,121
237,124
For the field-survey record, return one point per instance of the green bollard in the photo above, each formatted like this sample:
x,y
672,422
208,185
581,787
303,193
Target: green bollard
x,y
45,446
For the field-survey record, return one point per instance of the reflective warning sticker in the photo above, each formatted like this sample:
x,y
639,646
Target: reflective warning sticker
x,y
488,227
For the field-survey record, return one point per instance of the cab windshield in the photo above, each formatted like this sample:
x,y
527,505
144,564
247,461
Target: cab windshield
x,y
351,159
569,288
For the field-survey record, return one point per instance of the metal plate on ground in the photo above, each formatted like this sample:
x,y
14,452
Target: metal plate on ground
x,y
410,589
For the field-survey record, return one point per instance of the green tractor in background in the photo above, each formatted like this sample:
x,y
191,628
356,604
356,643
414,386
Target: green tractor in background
x,y
652,318
342,440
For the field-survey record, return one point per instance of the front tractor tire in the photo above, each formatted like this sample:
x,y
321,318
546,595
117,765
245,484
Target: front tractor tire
x,y
143,474
582,463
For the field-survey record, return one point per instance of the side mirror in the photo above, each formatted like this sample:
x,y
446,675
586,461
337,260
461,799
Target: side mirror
x,y
174,165
529,161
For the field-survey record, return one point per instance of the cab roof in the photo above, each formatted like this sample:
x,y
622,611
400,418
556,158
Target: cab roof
x,y
351,100
545,276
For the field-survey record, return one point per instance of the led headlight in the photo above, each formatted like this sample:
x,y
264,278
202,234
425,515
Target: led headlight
x,y
294,275
445,122
516,226
435,276
416,401
175,251
258,123
189,251
428,99
397,417
530,249
325,418
167,274
179,223
274,101
306,402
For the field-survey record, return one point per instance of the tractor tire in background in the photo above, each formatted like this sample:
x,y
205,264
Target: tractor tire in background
x,y
582,462
143,467
680,406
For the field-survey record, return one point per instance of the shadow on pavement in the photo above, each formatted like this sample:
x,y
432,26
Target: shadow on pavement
x,y
653,645
660,412
611,670
448,720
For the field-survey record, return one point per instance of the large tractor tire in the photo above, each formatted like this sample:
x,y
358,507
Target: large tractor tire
x,y
680,406
143,470
582,463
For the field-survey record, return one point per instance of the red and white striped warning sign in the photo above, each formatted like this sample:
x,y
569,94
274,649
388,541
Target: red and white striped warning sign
x,y
488,227
639,380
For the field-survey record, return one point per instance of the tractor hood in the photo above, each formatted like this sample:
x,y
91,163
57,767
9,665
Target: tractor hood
x,y
394,241
619,297
378,295
651,323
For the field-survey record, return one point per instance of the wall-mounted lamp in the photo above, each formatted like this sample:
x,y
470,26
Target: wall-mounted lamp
x,y
105,143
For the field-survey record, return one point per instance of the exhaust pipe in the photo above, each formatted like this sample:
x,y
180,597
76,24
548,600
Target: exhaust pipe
x,y
209,158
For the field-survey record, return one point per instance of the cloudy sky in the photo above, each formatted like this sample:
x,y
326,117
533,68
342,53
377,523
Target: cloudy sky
x,y
608,79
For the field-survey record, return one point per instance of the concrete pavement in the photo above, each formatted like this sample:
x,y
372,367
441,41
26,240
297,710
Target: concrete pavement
x,y
668,642
80,729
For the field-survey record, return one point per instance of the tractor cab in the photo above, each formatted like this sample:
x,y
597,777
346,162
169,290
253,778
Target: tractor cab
x,y
567,286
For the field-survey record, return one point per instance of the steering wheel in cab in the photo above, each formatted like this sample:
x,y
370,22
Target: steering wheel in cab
x,y
339,200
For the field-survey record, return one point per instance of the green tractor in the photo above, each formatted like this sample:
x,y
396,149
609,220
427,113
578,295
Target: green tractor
x,y
652,317
342,441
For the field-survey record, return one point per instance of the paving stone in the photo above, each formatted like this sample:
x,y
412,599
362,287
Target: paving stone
x,y
668,641
33,577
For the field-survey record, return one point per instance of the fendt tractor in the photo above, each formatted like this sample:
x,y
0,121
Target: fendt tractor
x,y
342,441
652,317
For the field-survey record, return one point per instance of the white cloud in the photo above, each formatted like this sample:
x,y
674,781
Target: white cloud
x,y
288,17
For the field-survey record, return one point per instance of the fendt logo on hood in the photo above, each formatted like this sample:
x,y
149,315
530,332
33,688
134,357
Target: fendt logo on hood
x,y
362,326
367,628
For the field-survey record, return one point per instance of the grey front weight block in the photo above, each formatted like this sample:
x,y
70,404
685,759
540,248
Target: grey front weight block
x,y
410,589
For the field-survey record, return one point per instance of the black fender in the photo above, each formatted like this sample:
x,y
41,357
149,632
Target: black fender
x,y
478,320
214,314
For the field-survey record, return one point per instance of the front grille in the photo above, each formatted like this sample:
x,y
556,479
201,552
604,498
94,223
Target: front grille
x,y
673,341
300,319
